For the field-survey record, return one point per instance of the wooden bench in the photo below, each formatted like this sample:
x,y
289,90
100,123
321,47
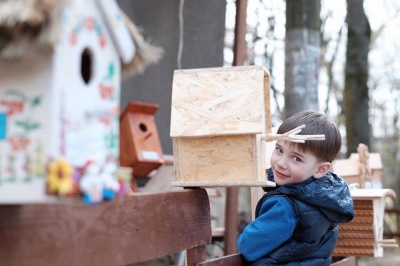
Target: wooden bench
x,y
121,232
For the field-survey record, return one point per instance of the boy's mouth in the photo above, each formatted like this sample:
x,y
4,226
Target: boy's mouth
x,y
281,175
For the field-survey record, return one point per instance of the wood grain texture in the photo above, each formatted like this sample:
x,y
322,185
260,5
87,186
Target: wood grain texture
x,y
229,260
211,184
222,158
219,101
133,229
267,102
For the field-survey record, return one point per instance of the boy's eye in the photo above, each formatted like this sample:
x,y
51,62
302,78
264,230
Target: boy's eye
x,y
297,159
279,150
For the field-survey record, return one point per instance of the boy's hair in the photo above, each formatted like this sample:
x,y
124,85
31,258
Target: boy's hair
x,y
316,123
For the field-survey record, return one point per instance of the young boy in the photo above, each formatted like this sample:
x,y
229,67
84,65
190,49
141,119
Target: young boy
x,y
296,221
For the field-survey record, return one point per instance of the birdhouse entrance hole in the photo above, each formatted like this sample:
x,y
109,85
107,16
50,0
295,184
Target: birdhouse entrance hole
x,y
143,127
86,65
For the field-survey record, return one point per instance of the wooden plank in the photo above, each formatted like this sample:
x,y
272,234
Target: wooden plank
x,y
359,212
267,102
218,101
369,194
195,255
356,227
361,236
211,184
229,260
124,231
357,252
352,243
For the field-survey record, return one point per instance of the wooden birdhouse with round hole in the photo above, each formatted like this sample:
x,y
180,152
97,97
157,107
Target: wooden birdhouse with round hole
x,y
61,66
218,118
140,146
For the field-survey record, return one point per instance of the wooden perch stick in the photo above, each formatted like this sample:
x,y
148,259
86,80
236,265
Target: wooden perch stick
x,y
389,245
387,241
292,136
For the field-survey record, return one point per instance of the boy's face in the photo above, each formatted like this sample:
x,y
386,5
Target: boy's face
x,y
292,166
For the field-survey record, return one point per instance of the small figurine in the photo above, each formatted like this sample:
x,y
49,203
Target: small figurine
x,y
98,184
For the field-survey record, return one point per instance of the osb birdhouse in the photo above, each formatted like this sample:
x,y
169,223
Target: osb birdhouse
x,y
218,117
363,236
60,69
140,146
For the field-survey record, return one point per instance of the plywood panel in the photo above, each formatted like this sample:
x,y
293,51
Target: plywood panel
x,y
219,101
219,160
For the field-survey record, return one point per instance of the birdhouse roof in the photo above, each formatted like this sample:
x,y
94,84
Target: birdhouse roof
x,y
31,26
375,160
220,101
140,107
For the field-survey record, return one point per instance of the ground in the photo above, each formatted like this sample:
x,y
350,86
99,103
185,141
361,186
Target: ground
x,y
390,258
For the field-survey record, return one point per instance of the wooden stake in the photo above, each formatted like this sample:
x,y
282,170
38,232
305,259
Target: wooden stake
x,y
292,136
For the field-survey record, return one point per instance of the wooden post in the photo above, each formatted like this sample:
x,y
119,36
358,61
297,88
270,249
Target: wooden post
x,y
232,193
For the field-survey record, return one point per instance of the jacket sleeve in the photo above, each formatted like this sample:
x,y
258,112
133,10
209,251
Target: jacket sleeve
x,y
275,225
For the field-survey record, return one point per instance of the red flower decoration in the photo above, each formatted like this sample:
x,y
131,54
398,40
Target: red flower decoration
x,y
89,23
103,40
73,38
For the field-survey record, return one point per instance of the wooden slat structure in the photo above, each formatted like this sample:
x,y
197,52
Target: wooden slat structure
x,y
363,236
121,232
218,116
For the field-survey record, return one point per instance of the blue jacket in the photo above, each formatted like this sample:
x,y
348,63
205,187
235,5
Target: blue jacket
x,y
297,224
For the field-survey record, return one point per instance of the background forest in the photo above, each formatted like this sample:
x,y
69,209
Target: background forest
x,y
338,57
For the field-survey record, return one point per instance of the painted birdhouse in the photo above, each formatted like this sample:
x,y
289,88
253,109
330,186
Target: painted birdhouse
x,y
140,146
60,71
218,118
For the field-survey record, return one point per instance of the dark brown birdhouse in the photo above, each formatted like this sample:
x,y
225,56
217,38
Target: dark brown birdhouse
x,y
140,146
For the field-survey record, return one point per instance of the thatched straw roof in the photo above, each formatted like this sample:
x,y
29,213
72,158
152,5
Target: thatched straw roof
x,y
31,26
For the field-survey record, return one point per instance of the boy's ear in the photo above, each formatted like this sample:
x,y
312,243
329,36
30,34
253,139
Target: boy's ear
x,y
323,169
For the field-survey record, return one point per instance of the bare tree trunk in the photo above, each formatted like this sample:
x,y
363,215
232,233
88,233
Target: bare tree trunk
x,y
302,51
356,96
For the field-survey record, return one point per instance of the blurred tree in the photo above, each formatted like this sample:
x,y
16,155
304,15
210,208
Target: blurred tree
x,y
356,95
302,55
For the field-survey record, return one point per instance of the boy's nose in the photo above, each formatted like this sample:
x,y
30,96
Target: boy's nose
x,y
282,163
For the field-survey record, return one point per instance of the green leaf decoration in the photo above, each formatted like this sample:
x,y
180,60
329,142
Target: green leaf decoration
x,y
36,101
33,126
111,70
22,123
17,93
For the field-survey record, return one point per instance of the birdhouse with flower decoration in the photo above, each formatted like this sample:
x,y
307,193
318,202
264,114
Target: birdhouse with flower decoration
x,y
61,64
